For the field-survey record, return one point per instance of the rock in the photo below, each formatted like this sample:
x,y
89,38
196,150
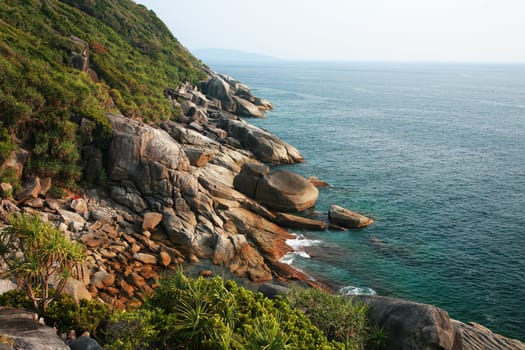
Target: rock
x,y
6,286
85,343
271,290
263,104
198,157
45,185
217,88
68,217
31,190
6,190
247,109
131,199
35,203
151,220
299,222
345,218
317,182
76,289
165,258
265,146
102,279
286,191
79,205
247,180
206,273
24,332
412,326
145,258
478,337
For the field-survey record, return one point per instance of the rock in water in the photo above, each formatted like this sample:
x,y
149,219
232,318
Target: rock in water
x,y
286,191
346,218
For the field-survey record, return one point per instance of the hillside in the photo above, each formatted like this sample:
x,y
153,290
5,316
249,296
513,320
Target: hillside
x,y
62,62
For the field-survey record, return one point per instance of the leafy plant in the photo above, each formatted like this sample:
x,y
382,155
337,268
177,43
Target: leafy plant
x,y
66,314
340,318
34,252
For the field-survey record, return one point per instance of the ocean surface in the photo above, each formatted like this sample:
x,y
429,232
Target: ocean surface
x,y
435,154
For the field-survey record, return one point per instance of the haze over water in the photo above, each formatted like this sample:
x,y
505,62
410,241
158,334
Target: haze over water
x,y
435,154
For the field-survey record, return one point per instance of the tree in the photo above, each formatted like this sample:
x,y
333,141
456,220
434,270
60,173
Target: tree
x,y
38,253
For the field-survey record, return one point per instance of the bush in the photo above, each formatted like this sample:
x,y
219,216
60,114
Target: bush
x,y
340,318
212,314
65,314
34,252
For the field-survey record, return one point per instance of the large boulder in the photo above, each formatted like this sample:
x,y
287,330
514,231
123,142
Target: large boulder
x,y
217,88
412,326
247,180
345,218
265,146
286,191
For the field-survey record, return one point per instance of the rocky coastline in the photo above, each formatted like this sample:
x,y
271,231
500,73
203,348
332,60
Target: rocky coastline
x,y
197,189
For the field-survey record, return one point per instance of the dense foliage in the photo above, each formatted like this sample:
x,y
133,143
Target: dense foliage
x,y
204,313
51,108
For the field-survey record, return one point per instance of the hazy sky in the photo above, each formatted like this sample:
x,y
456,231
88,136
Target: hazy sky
x,y
400,30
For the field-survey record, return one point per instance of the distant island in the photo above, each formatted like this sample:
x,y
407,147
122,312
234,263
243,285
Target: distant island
x,y
231,56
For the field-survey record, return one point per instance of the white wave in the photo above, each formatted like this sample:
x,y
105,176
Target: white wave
x,y
352,290
301,242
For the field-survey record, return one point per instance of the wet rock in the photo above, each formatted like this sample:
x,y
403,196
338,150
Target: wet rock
x,y
340,216
317,182
286,191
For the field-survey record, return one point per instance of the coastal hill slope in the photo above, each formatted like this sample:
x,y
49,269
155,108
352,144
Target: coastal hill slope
x,y
126,56
111,130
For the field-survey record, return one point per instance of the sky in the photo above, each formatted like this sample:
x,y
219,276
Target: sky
x,y
350,30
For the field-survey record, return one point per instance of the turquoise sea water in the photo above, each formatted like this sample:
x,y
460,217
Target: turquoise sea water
x,y
435,154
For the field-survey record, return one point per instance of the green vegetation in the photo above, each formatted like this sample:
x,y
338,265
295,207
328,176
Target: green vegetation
x,y
186,313
35,252
204,313
44,101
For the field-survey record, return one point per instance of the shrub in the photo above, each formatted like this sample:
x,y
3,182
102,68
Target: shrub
x,y
340,318
212,314
66,315
34,252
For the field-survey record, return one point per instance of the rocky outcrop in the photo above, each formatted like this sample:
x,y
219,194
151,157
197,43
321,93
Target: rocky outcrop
x,y
413,326
20,330
477,337
265,146
286,191
235,97
347,219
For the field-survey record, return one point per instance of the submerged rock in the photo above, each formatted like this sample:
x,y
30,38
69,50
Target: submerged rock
x,y
342,217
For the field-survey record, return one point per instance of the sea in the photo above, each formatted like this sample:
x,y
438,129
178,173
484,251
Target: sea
x,y
434,153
